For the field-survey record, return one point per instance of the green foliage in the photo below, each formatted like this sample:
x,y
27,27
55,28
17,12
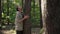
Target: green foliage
x,y
35,13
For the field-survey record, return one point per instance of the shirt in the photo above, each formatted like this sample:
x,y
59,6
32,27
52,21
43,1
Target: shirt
x,y
18,25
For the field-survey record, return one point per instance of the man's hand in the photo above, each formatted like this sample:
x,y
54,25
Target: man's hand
x,y
26,17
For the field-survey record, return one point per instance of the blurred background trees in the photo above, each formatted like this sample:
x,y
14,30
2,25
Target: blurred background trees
x,y
9,11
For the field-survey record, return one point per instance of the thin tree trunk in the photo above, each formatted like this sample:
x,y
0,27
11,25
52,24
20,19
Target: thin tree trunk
x,y
0,16
0,13
51,16
41,24
27,24
8,11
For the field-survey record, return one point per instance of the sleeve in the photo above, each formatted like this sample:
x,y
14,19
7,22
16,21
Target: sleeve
x,y
17,16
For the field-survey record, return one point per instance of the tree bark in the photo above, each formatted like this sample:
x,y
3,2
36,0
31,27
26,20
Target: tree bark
x,y
41,24
0,16
51,16
8,4
27,23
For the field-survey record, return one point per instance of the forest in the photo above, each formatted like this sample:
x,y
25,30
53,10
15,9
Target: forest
x,y
44,16
9,11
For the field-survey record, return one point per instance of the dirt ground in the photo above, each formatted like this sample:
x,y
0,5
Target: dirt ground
x,y
8,29
33,31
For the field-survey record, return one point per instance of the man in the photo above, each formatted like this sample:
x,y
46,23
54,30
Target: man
x,y
19,20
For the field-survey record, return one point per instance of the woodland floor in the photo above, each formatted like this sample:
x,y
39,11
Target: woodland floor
x,y
9,30
33,31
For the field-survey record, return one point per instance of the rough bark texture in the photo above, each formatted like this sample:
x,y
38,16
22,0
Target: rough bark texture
x,y
51,16
27,24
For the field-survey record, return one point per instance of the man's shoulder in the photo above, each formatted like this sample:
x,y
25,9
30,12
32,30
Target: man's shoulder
x,y
18,12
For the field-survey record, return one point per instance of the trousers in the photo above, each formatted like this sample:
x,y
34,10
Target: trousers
x,y
19,32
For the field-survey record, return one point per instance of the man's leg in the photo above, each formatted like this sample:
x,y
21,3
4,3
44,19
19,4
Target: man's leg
x,y
19,32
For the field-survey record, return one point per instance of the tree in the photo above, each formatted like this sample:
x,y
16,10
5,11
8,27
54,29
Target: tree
x,y
27,24
51,16
41,24
0,16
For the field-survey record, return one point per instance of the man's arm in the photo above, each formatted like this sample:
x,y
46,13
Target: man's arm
x,y
25,17
21,20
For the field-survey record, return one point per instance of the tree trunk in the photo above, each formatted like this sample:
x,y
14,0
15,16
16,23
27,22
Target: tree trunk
x,y
7,12
41,24
27,23
51,16
0,16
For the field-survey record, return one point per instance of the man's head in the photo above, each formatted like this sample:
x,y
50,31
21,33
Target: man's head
x,y
19,8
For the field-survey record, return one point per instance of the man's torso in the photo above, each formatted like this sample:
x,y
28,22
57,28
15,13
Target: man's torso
x,y
18,25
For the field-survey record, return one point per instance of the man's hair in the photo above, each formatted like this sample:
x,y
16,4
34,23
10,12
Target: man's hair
x,y
17,8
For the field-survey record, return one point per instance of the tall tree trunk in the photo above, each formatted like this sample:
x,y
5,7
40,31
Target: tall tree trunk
x,y
0,13
8,12
51,16
27,23
41,24
0,16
